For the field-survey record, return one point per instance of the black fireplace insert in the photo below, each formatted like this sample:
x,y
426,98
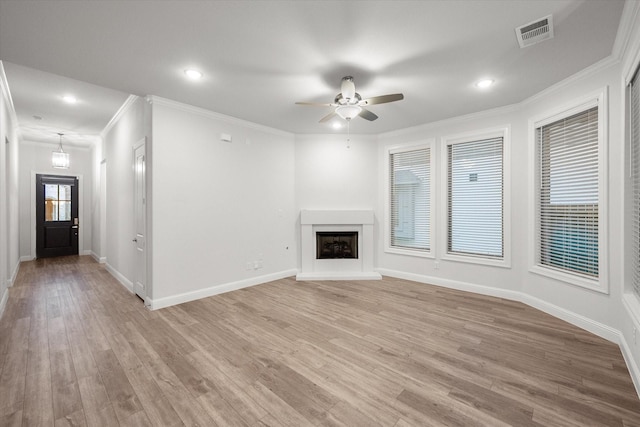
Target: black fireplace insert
x,y
336,244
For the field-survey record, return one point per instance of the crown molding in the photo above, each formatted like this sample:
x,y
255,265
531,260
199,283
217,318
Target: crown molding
x,y
67,146
629,34
152,99
630,16
453,120
6,92
121,111
593,69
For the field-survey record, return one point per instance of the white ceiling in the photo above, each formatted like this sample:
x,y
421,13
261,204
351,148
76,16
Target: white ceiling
x,y
259,57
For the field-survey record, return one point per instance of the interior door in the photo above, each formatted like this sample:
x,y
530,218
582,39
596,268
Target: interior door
x,y
57,225
140,279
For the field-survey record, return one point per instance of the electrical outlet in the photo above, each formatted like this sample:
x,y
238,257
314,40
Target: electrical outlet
x,y
436,265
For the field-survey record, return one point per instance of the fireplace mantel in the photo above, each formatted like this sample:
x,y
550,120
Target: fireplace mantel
x,y
312,221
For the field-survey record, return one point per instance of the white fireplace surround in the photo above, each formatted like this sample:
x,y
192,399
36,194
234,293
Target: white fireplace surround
x,y
361,268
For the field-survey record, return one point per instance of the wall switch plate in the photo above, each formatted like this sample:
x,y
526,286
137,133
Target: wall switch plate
x,y
225,137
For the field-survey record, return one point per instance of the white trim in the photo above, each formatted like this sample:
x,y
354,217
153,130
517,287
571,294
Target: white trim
x,y
478,135
429,143
121,111
600,99
3,301
632,366
14,275
597,328
155,304
26,258
98,259
357,275
119,277
49,144
81,250
4,88
631,304
216,116
625,44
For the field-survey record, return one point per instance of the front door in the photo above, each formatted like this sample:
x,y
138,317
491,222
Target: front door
x,y
56,215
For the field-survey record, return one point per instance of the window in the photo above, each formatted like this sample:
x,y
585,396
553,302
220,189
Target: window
x,y
634,139
475,196
569,181
410,199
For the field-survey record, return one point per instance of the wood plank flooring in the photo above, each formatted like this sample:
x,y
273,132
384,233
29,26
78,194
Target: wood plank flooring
x,y
77,349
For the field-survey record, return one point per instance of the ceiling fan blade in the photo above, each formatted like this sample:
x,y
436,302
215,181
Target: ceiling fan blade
x,y
315,104
327,117
382,99
367,115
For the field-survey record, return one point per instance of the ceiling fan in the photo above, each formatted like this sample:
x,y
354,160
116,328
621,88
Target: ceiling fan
x,y
349,103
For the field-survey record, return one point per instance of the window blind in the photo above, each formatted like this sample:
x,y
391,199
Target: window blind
x,y
568,193
475,198
410,199
634,139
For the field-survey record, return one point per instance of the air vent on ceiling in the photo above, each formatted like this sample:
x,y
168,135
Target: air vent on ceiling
x,y
535,32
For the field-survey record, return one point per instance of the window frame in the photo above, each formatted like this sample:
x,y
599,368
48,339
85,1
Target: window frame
x,y
401,148
597,99
503,132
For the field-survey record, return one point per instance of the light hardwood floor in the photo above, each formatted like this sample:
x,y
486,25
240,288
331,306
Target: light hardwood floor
x,y
77,349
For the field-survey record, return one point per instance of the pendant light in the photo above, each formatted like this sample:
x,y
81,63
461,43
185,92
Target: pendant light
x,y
60,159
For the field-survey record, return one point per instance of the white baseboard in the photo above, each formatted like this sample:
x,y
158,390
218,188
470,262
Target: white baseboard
x,y
3,301
101,260
632,366
358,275
155,304
597,328
86,252
119,277
14,275
25,258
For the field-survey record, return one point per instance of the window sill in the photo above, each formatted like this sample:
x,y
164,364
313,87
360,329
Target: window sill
x,y
572,279
409,252
492,262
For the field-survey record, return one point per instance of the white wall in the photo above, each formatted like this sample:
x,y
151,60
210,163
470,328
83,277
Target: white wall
x,y
35,158
9,155
128,127
218,205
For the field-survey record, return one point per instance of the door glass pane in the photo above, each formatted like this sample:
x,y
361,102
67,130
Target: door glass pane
x,y
51,192
64,192
51,210
64,211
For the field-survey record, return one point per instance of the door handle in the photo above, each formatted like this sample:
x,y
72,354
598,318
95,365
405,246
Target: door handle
x,y
134,240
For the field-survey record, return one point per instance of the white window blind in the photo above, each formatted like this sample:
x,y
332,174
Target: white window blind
x,y
568,193
410,199
634,136
475,198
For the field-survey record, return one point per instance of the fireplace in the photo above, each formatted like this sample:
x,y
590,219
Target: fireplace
x,y
336,244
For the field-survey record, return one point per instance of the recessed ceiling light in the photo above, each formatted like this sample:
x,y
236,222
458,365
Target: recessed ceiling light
x,y
193,74
336,125
69,99
482,84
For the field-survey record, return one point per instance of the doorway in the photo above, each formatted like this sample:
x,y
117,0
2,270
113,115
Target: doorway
x,y
57,226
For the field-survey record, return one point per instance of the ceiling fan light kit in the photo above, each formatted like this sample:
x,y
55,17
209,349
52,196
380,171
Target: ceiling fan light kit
x,y
349,104
348,112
